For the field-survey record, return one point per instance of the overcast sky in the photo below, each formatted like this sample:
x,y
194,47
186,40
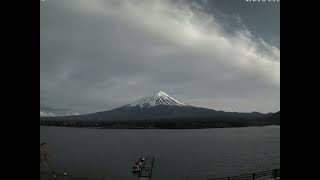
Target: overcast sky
x,y
101,54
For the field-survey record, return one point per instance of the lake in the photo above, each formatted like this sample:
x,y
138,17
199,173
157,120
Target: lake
x,y
191,153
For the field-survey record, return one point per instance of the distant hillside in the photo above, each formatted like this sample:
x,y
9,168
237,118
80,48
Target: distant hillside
x,y
273,119
162,111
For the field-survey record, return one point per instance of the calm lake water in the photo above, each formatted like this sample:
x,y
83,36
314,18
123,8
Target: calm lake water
x,y
195,153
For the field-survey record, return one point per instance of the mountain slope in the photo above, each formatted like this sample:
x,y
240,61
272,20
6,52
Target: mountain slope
x,y
160,98
160,107
274,119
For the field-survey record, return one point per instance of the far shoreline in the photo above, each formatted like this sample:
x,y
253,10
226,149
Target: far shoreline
x,y
158,128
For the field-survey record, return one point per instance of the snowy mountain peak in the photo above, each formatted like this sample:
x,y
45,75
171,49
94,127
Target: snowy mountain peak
x,y
161,93
159,98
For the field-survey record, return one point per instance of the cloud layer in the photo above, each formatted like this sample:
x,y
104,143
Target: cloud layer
x,y
97,55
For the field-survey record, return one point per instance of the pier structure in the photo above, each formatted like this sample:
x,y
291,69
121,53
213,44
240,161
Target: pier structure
x,y
146,169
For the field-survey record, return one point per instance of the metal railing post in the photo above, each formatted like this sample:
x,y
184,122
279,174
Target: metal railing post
x,y
274,174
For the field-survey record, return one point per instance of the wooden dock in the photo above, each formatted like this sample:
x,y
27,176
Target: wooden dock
x,y
146,169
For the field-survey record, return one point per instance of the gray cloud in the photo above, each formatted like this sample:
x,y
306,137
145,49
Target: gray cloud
x,y
97,55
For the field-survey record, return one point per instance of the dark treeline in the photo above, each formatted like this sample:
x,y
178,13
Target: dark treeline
x,y
162,123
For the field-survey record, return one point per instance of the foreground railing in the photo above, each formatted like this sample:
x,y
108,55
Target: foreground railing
x,y
269,174
59,176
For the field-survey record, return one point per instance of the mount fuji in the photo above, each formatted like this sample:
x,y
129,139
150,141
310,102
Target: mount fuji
x,y
160,98
156,109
